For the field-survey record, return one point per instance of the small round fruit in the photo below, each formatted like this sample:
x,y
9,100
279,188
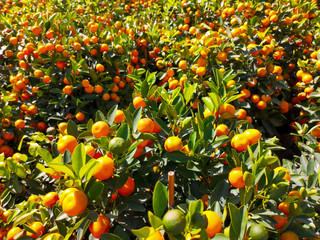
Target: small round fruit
x,y
174,222
258,232
240,142
74,202
127,188
38,228
253,135
101,226
289,235
104,169
50,199
173,144
13,232
54,236
117,145
67,142
236,177
214,223
100,129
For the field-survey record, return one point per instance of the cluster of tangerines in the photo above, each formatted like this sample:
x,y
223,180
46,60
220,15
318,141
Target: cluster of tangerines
x,y
37,57
198,32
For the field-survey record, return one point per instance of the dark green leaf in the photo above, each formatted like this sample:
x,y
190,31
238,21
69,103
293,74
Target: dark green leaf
x,y
136,118
78,158
95,191
112,114
124,132
160,199
72,128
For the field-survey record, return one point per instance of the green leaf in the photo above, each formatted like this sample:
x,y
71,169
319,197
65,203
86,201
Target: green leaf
x,y
144,89
23,218
220,236
209,103
136,118
266,160
215,99
188,92
109,236
72,128
112,114
45,154
239,220
20,170
128,118
160,199
78,158
100,116
121,233
163,125
95,191
176,156
88,168
154,221
124,132
62,168
142,232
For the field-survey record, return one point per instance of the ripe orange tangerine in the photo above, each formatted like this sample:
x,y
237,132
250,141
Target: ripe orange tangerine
x,y
253,135
119,116
139,102
173,144
50,199
227,108
13,232
236,177
38,228
73,201
214,223
281,222
284,208
67,142
105,168
240,142
222,129
289,235
100,129
54,236
101,226
127,188
145,125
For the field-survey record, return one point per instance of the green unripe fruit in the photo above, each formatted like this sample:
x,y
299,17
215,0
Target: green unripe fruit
x,y
51,131
174,222
258,232
117,145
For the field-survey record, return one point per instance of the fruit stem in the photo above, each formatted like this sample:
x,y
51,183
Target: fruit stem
x,y
171,189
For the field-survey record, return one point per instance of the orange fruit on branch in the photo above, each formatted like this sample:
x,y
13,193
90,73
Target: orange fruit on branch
x,y
173,144
101,226
240,142
128,188
67,142
104,169
236,177
100,129
145,125
214,223
13,232
73,201
50,199
38,228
